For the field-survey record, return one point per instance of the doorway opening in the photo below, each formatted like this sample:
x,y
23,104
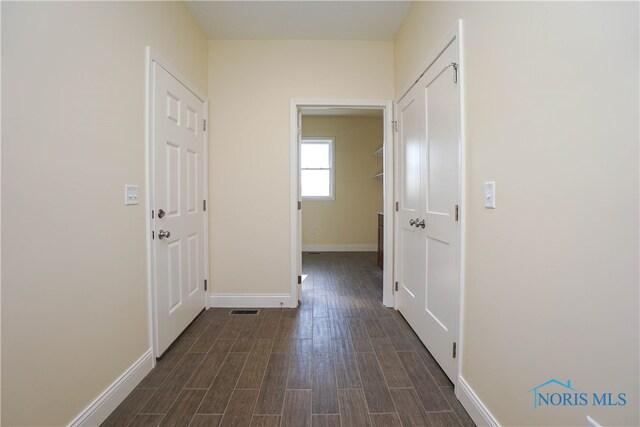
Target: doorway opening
x,y
342,193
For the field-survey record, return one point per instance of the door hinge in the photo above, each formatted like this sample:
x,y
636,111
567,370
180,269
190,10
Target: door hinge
x,y
204,205
455,71
204,125
395,287
457,214
153,234
152,213
455,349
394,123
397,206
205,284
299,280
299,205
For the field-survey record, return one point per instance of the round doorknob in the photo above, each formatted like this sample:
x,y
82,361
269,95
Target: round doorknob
x,y
416,222
412,222
162,234
421,224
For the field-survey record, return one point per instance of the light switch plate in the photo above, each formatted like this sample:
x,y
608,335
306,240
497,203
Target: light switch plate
x,y
131,194
490,195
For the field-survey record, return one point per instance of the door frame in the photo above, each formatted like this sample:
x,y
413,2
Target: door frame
x,y
151,57
388,298
455,33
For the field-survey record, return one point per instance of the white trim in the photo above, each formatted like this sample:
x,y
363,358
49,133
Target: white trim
x,y
458,32
396,200
154,56
295,232
340,248
151,57
148,131
424,67
389,195
206,212
108,400
478,412
388,299
252,301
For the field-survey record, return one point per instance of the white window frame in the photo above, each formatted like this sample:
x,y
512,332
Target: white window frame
x,y
332,166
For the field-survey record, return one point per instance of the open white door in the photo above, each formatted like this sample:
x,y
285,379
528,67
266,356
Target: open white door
x,y
178,195
429,236
299,252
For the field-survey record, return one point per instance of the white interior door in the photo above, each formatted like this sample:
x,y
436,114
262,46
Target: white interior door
x,y
299,255
429,245
178,183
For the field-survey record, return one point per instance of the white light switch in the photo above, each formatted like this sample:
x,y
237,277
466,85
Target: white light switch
x,y
131,193
490,195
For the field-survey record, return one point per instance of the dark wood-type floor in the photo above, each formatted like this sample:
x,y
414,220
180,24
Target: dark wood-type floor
x,y
340,359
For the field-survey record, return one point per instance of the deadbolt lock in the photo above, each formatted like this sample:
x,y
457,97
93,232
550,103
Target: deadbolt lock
x,y
160,213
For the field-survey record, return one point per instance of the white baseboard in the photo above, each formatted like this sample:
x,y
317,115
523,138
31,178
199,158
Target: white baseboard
x,y
339,248
478,412
252,301
113,396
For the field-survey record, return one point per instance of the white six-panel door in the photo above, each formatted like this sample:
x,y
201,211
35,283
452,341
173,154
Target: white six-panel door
x,y
428,227
178,185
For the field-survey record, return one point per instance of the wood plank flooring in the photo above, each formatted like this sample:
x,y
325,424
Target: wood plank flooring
x,y
340,359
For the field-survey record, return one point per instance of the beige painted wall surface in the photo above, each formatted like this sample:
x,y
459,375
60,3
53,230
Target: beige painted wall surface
x,y
352,217
74,285
251,84
552,273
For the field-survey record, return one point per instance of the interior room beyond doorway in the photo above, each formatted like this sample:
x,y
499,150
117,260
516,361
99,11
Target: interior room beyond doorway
x,y
341,179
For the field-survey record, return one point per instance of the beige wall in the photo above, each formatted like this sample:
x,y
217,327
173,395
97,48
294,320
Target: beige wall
x,y
74,285
351,218
251,84
552,273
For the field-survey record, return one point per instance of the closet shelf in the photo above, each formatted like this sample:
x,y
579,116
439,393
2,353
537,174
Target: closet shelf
x,y
379,175
379,152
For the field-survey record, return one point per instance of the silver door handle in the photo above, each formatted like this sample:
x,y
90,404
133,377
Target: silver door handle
x,y
416,222
421,224
162,234
412,222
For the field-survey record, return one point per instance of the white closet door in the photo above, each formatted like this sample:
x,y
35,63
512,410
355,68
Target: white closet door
x,y
429,238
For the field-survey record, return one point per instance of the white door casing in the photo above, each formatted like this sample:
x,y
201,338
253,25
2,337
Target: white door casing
x,y
388,183
299,253
429,191
177,185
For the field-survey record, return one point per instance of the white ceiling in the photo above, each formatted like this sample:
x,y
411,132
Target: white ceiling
x,y
358,112
302,19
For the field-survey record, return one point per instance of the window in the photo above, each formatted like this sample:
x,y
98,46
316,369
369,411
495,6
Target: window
x,y
317,169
